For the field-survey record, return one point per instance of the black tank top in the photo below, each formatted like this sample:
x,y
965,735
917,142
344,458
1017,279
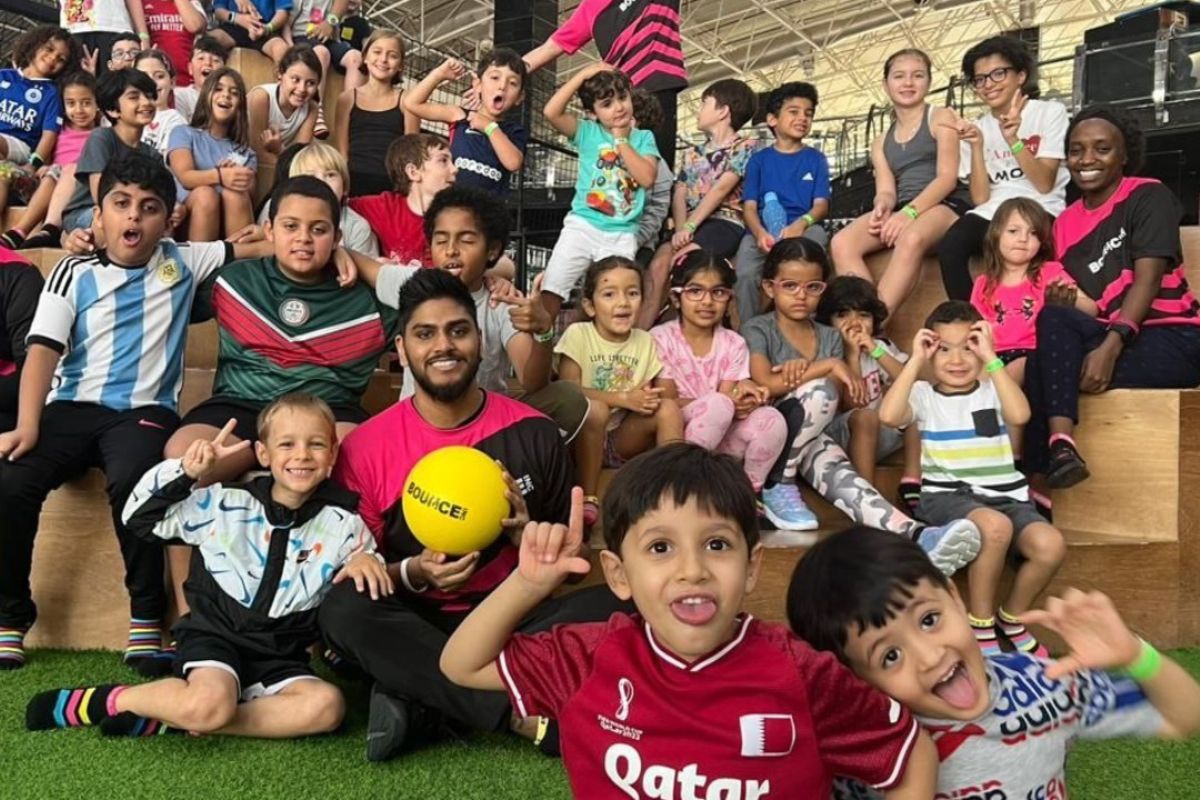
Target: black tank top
x,y
371,133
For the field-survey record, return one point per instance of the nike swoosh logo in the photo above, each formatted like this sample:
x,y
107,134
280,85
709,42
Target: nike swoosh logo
x,y
222,505
204,502
189,527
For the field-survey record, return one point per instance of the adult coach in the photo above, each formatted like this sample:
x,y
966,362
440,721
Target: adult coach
x,y
639,37
398,640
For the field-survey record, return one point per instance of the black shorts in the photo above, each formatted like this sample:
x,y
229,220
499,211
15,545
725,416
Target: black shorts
x,y
257,675
336,47
1009,356
719,236
241,38
216,411
959,205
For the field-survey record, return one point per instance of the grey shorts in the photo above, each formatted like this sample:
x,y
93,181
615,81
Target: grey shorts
x,y
938,508
890,439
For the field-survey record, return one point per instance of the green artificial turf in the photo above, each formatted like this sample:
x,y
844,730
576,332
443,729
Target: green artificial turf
x,y
81,765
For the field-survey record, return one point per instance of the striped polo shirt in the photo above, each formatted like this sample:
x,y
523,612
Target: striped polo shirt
x,y
964,442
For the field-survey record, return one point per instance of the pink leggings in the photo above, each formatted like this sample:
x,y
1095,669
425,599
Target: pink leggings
x,y
757,440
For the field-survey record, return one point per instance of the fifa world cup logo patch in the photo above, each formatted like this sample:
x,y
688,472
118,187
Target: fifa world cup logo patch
x,y
625,695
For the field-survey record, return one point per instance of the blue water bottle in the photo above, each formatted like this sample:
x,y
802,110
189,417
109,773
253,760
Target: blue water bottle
x,y
773,216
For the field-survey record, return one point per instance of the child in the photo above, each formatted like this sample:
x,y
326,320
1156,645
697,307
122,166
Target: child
x,y
486,148
33,113
706,368
1018,271
617,365
242,664
212,160
1006,722
967,466
657,704
20,285
802,365
100,386
82,114
420,166
157,65
851,306
173,26
617,164
786,191
917,192
323,161
648,116
706,204
124,50
126,99
262,28
208,55
317,23
371,117
285,112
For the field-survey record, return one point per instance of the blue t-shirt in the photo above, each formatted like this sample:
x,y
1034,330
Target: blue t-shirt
x,y
207,152
606,195
476,159
29,107
266,8
799,179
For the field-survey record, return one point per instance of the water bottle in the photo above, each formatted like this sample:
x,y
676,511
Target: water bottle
x,y
774,218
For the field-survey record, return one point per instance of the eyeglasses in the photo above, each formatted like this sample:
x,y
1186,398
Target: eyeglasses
x,y
124,55
795,287
697,293
995,76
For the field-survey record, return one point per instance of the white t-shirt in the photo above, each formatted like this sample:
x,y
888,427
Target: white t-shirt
x,y
185,100
1044,132
158,132
94,16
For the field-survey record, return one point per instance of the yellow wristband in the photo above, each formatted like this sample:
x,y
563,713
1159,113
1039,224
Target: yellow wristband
x,y
491,128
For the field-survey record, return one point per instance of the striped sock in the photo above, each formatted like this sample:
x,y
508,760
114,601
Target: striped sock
x,y
12,647
71,708
13,238
985,634
145,648
129,724
1020,636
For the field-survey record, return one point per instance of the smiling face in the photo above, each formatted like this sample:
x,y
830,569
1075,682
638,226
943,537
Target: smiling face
x,y
384,59
499,89
225,100
615,303
203,64
703,300
460,247
615,111
793,289
161,76
298,85
997,94
123,54
687,571
300,448
304,236
133,220
954,365
50,59
1096,157
907,81
925,656
79,105
135,108
794,120
441,345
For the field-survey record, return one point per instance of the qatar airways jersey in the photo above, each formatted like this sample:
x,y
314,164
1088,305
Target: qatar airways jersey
x,y
766,716
375,459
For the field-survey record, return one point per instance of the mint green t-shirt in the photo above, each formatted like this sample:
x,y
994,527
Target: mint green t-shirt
x,y
606,195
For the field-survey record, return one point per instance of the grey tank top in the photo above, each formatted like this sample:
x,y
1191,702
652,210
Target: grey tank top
x,y
914,163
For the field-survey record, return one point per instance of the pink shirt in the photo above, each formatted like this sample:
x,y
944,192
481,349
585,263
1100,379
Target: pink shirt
x,y
1013,310
69,146
728,360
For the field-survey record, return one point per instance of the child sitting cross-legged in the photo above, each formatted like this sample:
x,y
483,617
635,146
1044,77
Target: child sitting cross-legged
x,y
242,665
968,469
690,696
1005,722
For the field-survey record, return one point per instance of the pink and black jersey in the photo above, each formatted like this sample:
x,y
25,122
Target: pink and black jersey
x,y
639,37
766,716
1098,247
377,456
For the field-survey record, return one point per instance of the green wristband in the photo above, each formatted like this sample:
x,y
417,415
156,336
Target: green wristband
x,y
879,352
1017,146
1147,665
809,220
910,212
995,365
691,226
491,128
620,140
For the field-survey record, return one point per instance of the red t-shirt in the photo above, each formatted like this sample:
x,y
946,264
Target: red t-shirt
x,y
168,34
401,231
766,716
1013,310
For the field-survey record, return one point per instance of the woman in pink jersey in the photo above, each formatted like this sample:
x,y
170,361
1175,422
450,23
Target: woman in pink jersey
x,y
1120,243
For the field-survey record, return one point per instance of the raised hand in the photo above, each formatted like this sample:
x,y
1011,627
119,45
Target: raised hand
x,y
451,69
550,551
369,574
272,142
89,60
1010,120
858,338
980,341
925,344
529,313
202,455
1096,636
791,371
967,131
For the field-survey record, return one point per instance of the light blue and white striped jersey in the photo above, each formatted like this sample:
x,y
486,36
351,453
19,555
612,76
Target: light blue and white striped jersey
x,y
122,330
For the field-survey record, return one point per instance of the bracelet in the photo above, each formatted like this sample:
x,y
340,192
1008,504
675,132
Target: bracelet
x,y
1016,146
995,365
269,28
620,140
1146,666
910,211
219,179
145,37
334,20
809,220
691,226
491,128
36,160
879,352
545,337
233,18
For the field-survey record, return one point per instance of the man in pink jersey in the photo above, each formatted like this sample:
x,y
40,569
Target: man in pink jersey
x,y
690,698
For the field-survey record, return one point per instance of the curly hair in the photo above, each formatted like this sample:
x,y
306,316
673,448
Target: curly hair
x,y
851,293
28,44
1132,138
602,86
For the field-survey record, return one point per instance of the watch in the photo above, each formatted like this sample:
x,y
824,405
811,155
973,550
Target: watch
x,y
546,336
1126,332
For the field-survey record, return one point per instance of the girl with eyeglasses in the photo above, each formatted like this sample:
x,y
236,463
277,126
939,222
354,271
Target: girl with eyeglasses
x,y
706,368
1016,149
802,365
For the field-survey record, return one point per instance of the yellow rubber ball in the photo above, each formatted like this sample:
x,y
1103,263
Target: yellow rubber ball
x,y
454,500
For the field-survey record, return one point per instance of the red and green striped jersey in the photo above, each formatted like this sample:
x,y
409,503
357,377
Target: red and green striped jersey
x,y
279,336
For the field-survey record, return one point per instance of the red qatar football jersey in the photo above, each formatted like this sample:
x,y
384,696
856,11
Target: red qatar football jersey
x,y
766,716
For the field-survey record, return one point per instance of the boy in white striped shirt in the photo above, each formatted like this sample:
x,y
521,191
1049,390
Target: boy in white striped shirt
x,y
968,470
